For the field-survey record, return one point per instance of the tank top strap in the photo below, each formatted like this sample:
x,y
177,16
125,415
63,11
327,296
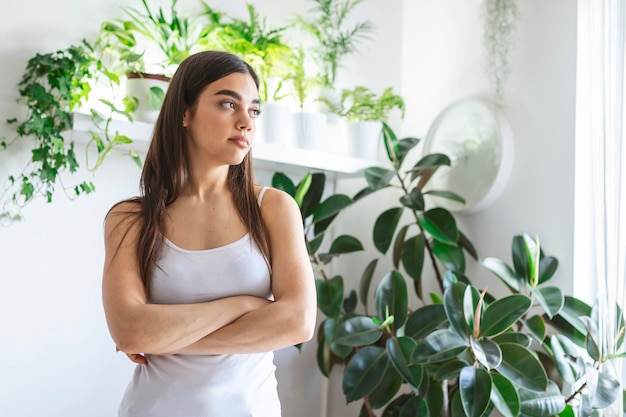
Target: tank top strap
x,y
261,194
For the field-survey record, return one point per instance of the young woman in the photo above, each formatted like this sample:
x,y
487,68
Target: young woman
x,y
206,273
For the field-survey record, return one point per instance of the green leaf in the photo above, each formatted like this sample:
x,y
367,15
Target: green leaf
x,y
440,224
453,305
521,339
565,370
440,345
284,183
412,256
465,243
329,327
357,331
486,352
398,245
390,141
414,200
331,207
402,148
345,244
449,195
520,257
520,366
314,244
550,298
302,189
323,357
366,280
503,313
378,177
471,298
364,372
424,320
399,351
546,403
450,369
608,390
385,227
433,160
475,389
450,256
349,303
504,396
504,272
313,196
156,96
537,327
415,406
434,398
391,295
330,295
547,267
386,389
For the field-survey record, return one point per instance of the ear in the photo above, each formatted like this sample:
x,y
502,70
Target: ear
x,y
186,118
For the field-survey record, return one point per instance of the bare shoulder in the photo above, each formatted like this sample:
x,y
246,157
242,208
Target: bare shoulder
x,y
277,206
124,216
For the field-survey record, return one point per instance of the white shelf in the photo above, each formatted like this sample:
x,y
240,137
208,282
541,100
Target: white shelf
x,y
266,155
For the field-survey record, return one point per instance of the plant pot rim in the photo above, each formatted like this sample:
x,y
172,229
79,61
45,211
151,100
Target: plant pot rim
x,y
135,75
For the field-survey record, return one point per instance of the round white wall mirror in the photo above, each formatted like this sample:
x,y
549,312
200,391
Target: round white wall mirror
x,y
477,137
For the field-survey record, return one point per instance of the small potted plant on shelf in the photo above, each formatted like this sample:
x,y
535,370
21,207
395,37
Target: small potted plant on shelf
x,y
365,112
456,350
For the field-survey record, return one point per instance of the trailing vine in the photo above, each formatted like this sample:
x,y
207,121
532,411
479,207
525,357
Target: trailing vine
x,y
500,18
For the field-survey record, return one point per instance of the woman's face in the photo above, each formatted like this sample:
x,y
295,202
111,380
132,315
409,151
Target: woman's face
x,y
221,127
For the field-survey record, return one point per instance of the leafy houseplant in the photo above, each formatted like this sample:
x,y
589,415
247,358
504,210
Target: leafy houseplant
x,y
52,85
333,40
361,104
461,351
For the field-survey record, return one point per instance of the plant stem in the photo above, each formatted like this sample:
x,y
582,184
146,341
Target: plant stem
x,y
426,242
368,407
578,391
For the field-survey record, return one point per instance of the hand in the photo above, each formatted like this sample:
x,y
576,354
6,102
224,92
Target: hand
x,y
134,357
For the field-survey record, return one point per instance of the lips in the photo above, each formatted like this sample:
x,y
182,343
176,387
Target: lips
x,y
240,141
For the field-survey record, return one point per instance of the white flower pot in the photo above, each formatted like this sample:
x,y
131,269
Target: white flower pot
x,y
274,123
309,130
138,86
363,139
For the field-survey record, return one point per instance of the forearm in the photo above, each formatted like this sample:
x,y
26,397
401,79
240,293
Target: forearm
x,y
275,326
159,328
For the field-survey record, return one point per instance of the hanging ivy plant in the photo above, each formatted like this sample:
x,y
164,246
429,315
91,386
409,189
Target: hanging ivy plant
x,y
52,86
500,18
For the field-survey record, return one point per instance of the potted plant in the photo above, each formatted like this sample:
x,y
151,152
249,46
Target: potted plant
x,y
365,112
333,40
460,351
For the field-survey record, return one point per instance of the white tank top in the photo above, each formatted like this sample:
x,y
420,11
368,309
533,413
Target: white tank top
x,y
242,385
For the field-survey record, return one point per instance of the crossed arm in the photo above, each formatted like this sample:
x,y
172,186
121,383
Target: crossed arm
x,y
239,324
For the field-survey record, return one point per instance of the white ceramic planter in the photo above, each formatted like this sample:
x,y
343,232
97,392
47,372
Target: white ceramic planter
x,y
139,87
363,139
309,130
274,123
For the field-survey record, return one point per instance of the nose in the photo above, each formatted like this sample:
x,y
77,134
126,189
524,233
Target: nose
x,y
245,122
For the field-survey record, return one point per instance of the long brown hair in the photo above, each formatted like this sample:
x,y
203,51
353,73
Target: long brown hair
x,y
165,168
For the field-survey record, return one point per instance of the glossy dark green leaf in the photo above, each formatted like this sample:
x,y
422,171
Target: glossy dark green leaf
x,y
471,299
415,406
547,403
521,339
357,331
520,257
392,296
393,408
591,344
504,272
345,244
378,177
412,256
385,227
390,140
314,244
398,245
362,193
486,352
399,351
533,252
608,389
434,398
350,302
440,345
364,372
312,198
568,411
450,256
537,327
386,389
550,298
331,206
413,200
572,310
504,396
456,406
562,364
432,160
466,244
450,369
366,280
324,362
520,366
330,295
329,327
403,146
440,224
446,194
424,320
503,313
284,183
475,389
303,188
323,225
547,267
453,305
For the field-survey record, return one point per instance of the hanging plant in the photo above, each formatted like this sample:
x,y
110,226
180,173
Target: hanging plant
x,y
500,19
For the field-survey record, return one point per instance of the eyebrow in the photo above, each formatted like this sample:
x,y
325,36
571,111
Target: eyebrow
x,y
235,95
